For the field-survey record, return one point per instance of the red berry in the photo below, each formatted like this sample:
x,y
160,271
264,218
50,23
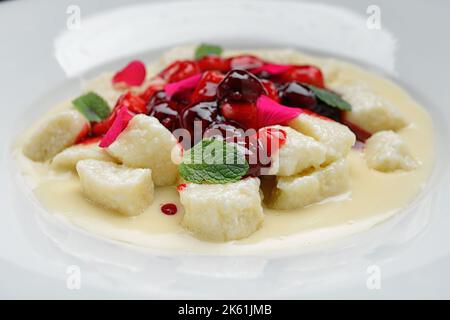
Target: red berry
x,y
245,62
240,86
164,110
151,91
243,113
304,74
179,70
206,90
272,91
212,62
293,94
134,103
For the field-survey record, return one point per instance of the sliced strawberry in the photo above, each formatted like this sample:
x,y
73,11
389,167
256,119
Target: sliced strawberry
x,y
304,74
179,70
206,89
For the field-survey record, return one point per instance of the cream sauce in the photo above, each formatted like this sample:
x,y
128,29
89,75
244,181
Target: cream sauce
x,y
374,196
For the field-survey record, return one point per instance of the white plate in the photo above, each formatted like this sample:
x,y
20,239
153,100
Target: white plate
x,y
39,55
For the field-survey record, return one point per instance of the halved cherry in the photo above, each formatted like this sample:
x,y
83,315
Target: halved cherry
x,y
164,110
304,74
133,102
245,62
179,70
151,91
213,62
271,89
206,89
240,86
244,113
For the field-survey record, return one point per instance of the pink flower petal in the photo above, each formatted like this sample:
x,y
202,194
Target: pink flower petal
x,y
133,74
120,123
270,112
272,68
188,83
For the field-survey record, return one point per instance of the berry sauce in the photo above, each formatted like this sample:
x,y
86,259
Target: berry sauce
x,y
169,209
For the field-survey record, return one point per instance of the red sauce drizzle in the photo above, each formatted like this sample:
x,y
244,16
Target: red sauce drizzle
x,y
169,209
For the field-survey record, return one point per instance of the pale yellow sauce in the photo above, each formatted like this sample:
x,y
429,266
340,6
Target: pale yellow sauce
x,y
374,196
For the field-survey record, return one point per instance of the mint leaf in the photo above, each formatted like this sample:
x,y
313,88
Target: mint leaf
x,y
213,162
330,98
92,106
207,49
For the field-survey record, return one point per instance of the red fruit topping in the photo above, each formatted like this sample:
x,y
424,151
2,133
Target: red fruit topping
x,y
243,113
181,186
169,209
240,86
123,116
83,134
304,74
206,89
189,83
134,103
213,62
271,89
245,62
100,128
164,110
270,112
151,91
272,69
179,70
133,74
272,139
294,94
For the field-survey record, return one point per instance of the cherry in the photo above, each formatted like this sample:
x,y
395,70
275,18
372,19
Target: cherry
x,y
294,94
245,62
271,89
205,112
212,62
304,74
228,130
206,90
164,110
179,70
151,91
244,114
134,103
240,86
327,111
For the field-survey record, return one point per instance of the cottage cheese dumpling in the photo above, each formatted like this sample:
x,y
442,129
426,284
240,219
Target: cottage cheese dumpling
x,y
386,151
370,111
297,154
222,212
56,134
305,189
128,191
146,143
68,158
337,138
